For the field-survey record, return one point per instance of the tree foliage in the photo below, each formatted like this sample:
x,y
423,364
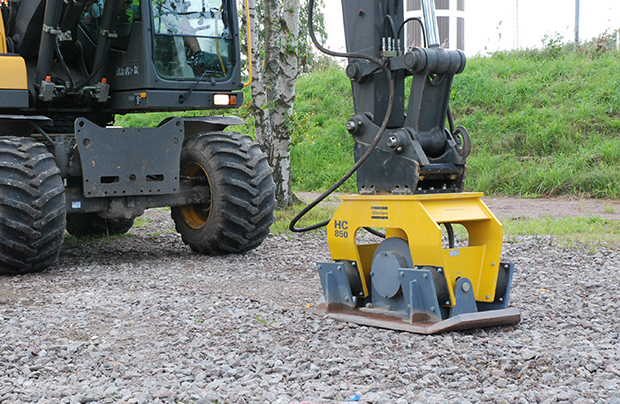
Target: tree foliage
x,y
306,53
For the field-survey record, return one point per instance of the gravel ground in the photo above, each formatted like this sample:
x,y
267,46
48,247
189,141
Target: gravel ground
x,y
141,319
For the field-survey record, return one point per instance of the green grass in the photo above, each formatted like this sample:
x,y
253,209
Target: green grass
x,y
321,147
592,232
141,221
283,216
609,208
542,125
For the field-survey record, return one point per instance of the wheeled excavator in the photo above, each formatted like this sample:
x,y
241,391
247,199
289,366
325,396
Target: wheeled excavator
x,y
68,66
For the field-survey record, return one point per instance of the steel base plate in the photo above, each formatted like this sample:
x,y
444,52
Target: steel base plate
x,y
460,322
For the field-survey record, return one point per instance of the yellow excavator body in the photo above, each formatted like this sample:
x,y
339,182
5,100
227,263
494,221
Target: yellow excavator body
x,y
2,36
13,74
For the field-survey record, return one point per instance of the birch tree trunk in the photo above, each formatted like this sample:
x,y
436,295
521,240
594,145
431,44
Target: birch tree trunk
x,y
273,85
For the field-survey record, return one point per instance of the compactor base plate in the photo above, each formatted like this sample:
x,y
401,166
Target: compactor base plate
x,y
466,321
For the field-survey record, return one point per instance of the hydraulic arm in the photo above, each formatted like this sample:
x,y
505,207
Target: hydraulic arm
x,y
416,154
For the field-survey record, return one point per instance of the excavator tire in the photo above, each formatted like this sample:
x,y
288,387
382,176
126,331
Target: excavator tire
x,y
91,224
32,207
242,190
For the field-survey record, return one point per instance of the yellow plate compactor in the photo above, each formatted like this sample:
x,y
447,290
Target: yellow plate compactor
x,y
410,173
414,280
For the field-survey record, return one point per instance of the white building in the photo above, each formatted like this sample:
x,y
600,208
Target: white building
x,y
450,21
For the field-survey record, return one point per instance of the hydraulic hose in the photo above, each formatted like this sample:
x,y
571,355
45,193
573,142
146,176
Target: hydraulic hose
x,y
450,231
388,18
64,65
400,29
374,143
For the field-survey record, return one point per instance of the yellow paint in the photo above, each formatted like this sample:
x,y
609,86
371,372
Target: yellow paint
x,y
416,219
2,36
195,215
3,48
13,73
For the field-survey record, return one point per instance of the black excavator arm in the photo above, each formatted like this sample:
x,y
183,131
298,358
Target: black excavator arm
x,y
417,153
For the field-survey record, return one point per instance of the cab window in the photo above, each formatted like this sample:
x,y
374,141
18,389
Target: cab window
x,y
192,39
90,21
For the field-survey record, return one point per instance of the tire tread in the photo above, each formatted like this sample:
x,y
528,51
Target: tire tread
x,y
32,204
244,197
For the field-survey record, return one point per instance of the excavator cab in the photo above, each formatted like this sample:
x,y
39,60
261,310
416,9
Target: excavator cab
x,y
191,39
120,56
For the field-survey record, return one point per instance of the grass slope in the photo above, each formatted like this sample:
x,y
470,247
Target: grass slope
x,y
542,123
321,147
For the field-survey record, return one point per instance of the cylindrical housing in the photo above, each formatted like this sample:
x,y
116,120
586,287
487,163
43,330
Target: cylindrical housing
x,y
430,23
47,46
108,22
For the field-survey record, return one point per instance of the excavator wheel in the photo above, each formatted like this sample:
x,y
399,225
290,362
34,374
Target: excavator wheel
x,y
32,206
242,194
91,224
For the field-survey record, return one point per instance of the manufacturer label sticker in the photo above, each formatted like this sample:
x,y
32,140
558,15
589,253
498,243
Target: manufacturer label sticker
x,y
379,212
